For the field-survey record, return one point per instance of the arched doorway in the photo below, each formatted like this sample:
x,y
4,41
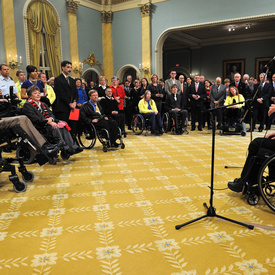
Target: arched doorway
x,y
196,41
126,70
91,75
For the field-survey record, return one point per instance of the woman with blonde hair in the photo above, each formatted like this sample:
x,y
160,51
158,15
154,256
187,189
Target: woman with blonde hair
x,y
147,107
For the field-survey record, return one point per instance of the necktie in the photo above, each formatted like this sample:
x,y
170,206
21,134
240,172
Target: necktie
x,y
197,87
175,97
181,87
68,80
237,85
218,89
149,106
97,109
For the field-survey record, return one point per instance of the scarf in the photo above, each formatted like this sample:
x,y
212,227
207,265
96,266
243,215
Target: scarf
x,y
44,111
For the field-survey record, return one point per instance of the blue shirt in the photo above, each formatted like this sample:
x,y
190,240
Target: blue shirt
x,y
93,105
26,84
82,96
6,84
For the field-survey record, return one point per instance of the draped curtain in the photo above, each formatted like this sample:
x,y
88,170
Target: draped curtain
x,y
40,14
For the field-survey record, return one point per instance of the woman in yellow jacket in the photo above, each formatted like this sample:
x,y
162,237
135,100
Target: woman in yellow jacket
x,y
234,111
147,107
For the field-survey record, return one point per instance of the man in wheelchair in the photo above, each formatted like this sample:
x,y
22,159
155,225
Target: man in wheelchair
x,y
92,112
19,126
259,147
45,122
176,106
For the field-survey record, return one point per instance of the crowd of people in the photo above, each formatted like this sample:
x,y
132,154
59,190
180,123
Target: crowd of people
x,y
52,103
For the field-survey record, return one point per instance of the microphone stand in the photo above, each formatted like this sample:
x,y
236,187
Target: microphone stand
x,y
211,211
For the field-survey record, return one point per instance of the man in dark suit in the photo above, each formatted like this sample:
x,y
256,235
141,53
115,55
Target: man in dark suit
x,y
110,109
217,98
92,112
183,90
243,89
196,93
66,95
175,106
261,103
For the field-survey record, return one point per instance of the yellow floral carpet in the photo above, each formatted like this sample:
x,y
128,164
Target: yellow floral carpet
x,y
115,213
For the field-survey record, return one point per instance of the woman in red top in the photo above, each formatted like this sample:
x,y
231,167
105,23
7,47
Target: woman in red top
x,y
118,93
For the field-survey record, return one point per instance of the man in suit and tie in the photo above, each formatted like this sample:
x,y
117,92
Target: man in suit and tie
x,y
66,95
243,89
217,97
92,112
170,82
196,93
261,103
175,106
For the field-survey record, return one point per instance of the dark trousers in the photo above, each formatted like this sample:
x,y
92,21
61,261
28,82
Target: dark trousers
x,y
259,112
253,150
120,119
64,135
159,105
233,115
110,125
179,115
196,115
155,120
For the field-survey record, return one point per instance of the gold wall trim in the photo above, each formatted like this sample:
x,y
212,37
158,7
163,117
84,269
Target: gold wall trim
x,y
132,4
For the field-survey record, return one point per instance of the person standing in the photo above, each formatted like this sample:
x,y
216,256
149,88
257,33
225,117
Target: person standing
x,y
66,95
21,78
170,82
196,94
5,81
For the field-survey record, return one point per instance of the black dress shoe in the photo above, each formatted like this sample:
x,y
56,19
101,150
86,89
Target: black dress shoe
x,y
249,130
114,145
199,128
192,129
78,150
51,152
260,130
237,185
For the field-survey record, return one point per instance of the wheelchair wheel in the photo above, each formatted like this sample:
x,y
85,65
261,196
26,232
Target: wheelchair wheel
x,y
252,199
19,187
243,133
87,136
28,176
266,182
138,124
104,137
165,122
26,154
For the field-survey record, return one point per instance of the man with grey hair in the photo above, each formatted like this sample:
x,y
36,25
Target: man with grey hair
x,y
217,97
261,103
243,89
129,78
248,83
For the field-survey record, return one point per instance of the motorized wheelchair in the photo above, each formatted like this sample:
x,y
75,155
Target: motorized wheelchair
x,y
260,182
87,135
232,123
169,124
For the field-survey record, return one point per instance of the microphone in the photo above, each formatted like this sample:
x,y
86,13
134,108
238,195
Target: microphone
x,y
269,62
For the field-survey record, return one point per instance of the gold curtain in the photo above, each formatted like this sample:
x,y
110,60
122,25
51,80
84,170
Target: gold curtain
x,y
40,15
52,38
34,15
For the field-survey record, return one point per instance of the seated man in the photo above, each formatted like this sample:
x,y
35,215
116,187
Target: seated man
x,y
92,112
38,141
110,109
44,120
266,143
175,106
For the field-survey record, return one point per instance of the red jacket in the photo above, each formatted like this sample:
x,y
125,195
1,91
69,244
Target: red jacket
x,y
118,91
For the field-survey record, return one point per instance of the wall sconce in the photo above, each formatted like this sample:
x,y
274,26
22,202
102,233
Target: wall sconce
x,y
232,28
143,69
248,26
79,69
14,63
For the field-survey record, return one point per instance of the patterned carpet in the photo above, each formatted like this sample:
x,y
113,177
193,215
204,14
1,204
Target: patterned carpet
x,y
115,212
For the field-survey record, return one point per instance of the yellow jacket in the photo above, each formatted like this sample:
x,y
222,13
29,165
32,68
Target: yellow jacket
x,y
18,86
143,106
238,98
51,94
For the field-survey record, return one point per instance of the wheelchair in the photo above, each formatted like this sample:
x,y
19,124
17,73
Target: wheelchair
x,y
169,124
6,139
139,124
87,136
233,126
262,182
